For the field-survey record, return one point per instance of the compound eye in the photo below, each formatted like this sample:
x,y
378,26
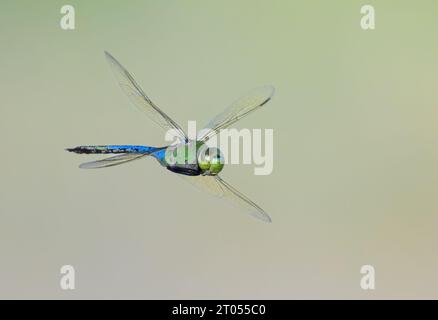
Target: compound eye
x,y
216,162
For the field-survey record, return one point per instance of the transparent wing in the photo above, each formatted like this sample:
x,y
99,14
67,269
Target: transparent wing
x,y
139,98
239,109
204,183
112,161
243,201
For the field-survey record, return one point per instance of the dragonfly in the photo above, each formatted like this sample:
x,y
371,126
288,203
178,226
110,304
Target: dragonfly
x,y
199,164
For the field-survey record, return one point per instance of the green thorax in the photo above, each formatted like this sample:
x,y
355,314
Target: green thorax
x,y
195,155
184,153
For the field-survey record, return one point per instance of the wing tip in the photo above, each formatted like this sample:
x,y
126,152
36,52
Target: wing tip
x,y
109,57
265,217
271,88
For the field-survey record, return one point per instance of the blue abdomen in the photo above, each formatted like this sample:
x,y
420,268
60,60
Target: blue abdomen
x,y
113,149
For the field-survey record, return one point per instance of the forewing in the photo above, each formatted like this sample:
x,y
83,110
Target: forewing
x,y
139,98
239,109
243,201
205,183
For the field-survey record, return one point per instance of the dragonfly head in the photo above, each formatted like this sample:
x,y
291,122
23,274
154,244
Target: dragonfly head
x,y
210,161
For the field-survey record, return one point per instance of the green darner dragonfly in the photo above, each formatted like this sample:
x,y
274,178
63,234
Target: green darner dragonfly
x,y
200,164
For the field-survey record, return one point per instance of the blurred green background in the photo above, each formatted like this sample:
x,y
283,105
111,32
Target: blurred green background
x,y
355,176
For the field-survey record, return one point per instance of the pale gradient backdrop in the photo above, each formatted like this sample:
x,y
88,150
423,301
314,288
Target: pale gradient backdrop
x,y
355,178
